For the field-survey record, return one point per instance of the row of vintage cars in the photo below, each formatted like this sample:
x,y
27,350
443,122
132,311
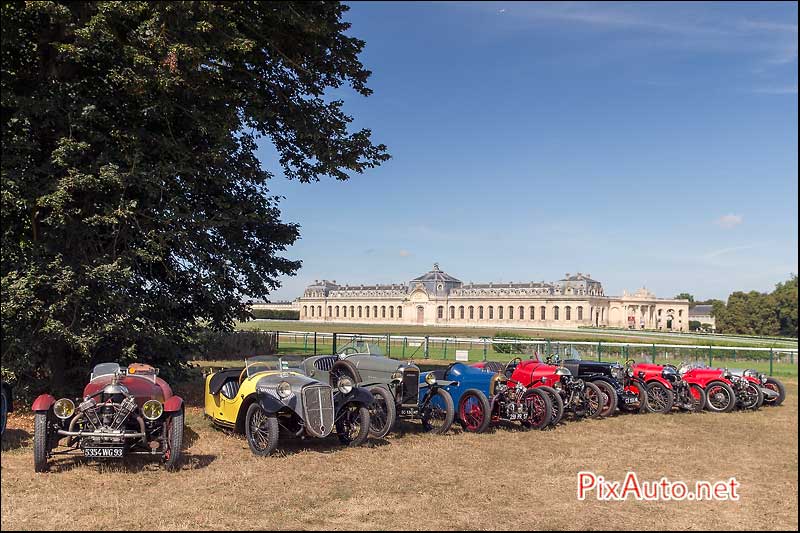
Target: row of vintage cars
x,y
359,392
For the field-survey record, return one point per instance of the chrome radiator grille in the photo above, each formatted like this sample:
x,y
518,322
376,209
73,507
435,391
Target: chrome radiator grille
x,y
318,409
409,392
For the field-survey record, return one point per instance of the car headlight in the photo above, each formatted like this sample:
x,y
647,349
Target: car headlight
x,y
152,409
749,373
763,378
397,376
563,371
617,371
629,371
557,385
283,389
430,379
64,408
345,385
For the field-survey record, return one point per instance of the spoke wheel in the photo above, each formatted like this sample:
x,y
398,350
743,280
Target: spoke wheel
x,y
538,408
609,395
353,425
382,413
593,401
261,429
697,396
473,411
437,412
720,397
659,398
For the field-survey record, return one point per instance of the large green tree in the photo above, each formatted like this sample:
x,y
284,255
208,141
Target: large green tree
x,y
756,313
134,206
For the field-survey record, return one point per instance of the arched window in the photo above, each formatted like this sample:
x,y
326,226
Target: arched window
x,y
374,311
480,312
567,313
366,311
352,312
521,313
532,313
319,311
499,312
399,312
543,313
491,313
510,312
440,312
337,311
330,309
452,312
383,311
391,311
461,312
305,310
359,311
312,310
471,313
580,312
555,312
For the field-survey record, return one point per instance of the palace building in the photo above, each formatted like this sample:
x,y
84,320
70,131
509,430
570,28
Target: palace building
x,y
437,298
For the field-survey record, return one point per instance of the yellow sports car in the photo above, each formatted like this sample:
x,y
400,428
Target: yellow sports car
x,y
271,395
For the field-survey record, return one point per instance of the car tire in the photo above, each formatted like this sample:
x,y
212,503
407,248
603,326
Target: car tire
x,y
359,415
344,368
542,397
660,399
173,454
261,430
716,392
778,387
700,399
609,398
447,421
477,420
593,390
556,403
383,413
641,393
759,396
41,440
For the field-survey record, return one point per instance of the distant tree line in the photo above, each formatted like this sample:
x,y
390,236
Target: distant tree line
x,y
757,313
276,314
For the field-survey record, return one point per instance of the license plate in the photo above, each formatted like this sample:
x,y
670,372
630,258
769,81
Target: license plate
x,y
630,399
102,452
517,416
409,411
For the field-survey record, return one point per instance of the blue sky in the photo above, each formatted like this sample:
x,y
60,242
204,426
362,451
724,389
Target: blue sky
x,y
645,144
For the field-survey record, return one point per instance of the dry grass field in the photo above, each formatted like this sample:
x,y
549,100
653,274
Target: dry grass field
x,y
506,479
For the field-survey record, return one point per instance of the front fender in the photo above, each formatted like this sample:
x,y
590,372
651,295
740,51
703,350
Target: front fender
x,y
43,403
270,404
358,395
440,384
173,405
657,379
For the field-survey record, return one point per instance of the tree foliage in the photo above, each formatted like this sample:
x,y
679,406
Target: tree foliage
x,y
685,296
134,205
756,313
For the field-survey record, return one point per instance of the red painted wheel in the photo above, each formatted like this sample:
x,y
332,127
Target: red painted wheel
x,y
473,411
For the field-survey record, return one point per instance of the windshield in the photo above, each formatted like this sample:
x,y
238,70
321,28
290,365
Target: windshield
x,y
104,369
361,347
272,363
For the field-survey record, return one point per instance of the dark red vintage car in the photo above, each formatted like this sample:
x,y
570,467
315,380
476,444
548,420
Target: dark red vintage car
x,y
123,411
681,391
720,393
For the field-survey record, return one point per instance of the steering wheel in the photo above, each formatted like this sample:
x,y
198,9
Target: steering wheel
x,y
511,365
348,350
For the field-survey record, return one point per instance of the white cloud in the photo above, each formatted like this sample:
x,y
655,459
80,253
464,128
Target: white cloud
x,y
723,251
729,221
404,253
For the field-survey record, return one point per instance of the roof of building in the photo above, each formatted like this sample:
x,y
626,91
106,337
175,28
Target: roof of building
x,y
701,310
437,275
579,277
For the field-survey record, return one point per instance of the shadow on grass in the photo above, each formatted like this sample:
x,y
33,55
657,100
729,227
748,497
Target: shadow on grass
x,y
128,465
14,439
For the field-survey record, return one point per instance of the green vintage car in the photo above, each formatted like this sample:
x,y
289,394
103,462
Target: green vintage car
x,y
396,386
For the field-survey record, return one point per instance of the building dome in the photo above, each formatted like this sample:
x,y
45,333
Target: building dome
x,y
435,282
436,275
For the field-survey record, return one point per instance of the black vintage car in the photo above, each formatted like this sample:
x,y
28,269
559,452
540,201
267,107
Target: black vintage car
x,y
617,385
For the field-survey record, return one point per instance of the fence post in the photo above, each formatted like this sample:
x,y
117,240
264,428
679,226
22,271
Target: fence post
x,y
305,341
710,356
599,350
405,342
426,346
485,348
333,349
445,350
770,361
277,340
654,353
315,343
